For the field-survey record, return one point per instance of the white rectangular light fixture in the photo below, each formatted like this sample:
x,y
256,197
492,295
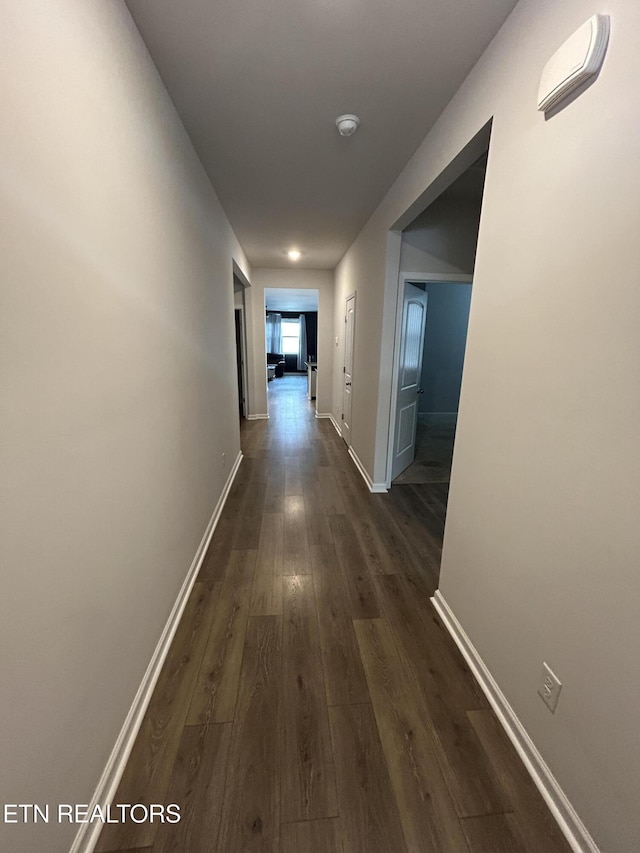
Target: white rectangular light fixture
x,y
578,59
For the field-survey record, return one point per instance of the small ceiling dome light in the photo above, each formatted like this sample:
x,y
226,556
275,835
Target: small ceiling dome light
x,y
347,125
294,255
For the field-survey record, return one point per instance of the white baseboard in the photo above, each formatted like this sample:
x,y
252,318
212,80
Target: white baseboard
x,y
332,419
87,836
568,819
376,488
257,417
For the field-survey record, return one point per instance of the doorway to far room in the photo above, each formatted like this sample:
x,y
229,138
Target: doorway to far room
x,y
291,318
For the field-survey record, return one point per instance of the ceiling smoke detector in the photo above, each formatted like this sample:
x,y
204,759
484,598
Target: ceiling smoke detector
x,y
347,125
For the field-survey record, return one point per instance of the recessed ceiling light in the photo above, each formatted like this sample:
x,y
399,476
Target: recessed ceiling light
x,y
294,255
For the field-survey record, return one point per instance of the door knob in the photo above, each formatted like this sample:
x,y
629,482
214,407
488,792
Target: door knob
x,y
420,391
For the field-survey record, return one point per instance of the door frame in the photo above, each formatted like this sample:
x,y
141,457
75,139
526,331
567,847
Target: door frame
x,y
246,339
412,278
243,357
353,295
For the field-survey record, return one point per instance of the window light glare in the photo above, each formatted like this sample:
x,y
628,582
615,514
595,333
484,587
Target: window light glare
x,y
294,254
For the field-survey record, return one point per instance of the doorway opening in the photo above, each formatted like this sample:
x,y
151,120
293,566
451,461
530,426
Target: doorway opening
x,y
241,345
291,318
437,259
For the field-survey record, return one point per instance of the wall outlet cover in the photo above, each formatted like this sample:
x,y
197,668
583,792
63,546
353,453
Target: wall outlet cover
x,y
549,687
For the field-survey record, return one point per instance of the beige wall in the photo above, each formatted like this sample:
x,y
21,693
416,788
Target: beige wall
x,y
118,388
320,280
443,239
542,539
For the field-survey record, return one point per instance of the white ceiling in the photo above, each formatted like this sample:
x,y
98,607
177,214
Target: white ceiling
x,y
259,84
291,299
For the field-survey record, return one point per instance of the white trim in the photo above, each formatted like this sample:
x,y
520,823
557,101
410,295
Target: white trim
x,y
376,488
243,355
413,278
237,269
333,421
87,836
353,295
257,417
435,277
568,819
247,339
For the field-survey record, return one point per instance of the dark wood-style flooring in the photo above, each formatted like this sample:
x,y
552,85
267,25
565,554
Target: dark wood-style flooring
x,y
312,701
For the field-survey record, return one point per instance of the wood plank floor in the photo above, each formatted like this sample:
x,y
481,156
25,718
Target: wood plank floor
x,y
312,701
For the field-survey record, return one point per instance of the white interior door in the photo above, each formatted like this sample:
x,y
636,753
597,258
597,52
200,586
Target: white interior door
x,y
349,329
414,318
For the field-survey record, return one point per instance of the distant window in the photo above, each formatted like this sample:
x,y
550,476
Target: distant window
x,y
290,336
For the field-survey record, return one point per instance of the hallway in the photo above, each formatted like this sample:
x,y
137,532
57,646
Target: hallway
x,y
312,701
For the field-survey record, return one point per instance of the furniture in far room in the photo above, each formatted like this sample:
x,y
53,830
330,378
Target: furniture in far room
x,y
312,378
275,365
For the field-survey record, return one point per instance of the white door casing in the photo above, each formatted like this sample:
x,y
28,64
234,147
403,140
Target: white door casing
x,y
414,318
349,330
